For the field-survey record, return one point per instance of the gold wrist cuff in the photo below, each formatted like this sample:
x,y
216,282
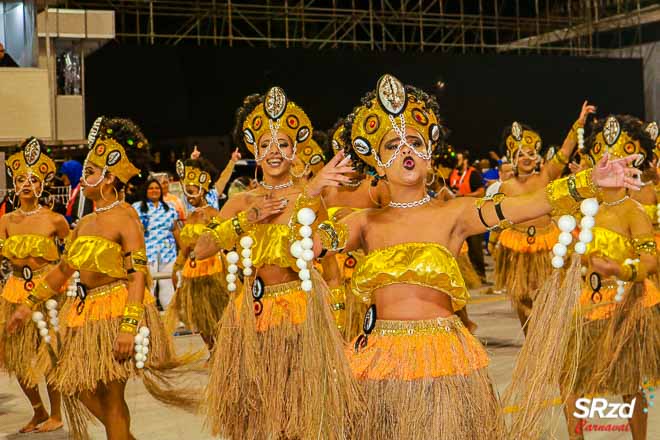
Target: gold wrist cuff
x,y
223,232
128,327
133,311
39,294
630,272
559,158
333,235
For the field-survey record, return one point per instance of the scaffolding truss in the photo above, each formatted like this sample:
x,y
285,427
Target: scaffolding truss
x,y
458,26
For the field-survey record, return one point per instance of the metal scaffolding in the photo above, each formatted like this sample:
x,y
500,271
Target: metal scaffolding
x,y
575,27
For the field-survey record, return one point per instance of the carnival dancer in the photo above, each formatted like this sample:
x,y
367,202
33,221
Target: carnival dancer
x,y
280,372
202,295
423,373
617,347
28,240
100,330
523,253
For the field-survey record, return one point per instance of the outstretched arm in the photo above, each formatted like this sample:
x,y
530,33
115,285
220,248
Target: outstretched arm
x,y
562,195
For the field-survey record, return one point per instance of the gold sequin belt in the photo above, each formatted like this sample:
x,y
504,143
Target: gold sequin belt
x,y
105,289
415,328
35,272
275,290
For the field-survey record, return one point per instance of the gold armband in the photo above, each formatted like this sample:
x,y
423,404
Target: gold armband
x,y
133,313
306,201
497,200
645,244
630,271
39,294
224,232
333,235
566,194
139,263
575,127
338,305
559,158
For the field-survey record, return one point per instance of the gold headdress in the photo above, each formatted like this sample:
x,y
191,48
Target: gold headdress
x,y
312,156
337,141
654,132
616,141
276,113
32,161
192,175
392,109
520,138
107,153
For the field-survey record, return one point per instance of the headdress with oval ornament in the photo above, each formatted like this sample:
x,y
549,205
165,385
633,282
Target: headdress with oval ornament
x,y
193,175
31,161
521,138
620,136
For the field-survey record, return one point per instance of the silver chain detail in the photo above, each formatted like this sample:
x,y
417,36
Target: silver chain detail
x,y
416,203
109,207
274,187
616,202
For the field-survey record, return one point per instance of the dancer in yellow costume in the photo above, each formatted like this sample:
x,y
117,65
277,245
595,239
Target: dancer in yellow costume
x,y
522,256
280,371
424,374
618,347
27,239
101,328
202,296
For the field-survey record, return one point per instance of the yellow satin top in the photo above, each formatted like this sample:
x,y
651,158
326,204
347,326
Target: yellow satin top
x,y
21,246
332,211
96,254
651,211
423,264
272,246
190,233
611,244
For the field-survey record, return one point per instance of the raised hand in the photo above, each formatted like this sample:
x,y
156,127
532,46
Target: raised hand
x,y
235,155
196,153
617,173
587,109
332,174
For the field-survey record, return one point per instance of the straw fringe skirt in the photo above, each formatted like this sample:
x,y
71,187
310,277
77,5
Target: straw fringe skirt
x,y
423,380
86,359
23,353
281,374
522,267
470,276
201,298
619,347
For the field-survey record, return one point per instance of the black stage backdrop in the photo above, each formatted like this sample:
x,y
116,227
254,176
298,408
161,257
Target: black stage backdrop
x,y
177,92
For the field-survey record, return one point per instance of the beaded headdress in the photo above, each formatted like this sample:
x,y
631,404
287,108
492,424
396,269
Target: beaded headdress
x,y
192,175
616,141
276,113
336,141
32,161
393,108
107,153
520,138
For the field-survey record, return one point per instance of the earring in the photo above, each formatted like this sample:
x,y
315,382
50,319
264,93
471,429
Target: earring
x,y
102,196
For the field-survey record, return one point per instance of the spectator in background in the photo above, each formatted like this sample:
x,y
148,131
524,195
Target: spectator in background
x,y
489,171
5,59
77,206
164,179
158,218
466,181
505,173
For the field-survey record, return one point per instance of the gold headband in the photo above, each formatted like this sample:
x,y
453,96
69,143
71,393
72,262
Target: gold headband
x,y
105,152
191,175
392,105
520,138
31,161
617,142
312,156
276,113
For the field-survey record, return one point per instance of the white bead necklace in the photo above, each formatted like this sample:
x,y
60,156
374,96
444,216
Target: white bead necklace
x,y
404,205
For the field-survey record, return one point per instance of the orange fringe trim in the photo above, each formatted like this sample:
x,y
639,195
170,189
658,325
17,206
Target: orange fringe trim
x,y
208,266
607,305
519,241
423,380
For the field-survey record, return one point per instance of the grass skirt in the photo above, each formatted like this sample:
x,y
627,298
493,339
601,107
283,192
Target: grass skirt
x,y
201,298
522,267
23,353
281,374
470,276
423,380
619,346
86,357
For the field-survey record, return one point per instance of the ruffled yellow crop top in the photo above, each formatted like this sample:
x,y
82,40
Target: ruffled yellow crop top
x,y
22,246
651,211
611,244
424,264
96,254
190,233
272,246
